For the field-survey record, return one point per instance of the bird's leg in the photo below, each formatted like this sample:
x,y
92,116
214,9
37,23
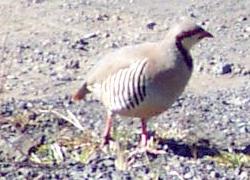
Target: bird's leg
x,y
145,145
144,133
106,133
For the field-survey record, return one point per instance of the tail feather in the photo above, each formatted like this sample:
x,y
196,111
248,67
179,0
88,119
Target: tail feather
x,y
81,93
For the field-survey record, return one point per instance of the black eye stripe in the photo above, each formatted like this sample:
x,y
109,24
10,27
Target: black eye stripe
x,y
185,34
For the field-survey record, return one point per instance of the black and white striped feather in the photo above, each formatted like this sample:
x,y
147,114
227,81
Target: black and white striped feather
x,y
125,89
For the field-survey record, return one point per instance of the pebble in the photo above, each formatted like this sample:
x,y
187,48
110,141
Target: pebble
x,y
241,19
222,69
247,29
38,52
13,77
24,105
215,174
73,64
151,25
188,175
227,68
90,35
80,44
38,1
33,116
103,17
63,77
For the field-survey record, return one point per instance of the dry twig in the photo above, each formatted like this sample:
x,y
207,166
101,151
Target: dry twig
x,y
70,118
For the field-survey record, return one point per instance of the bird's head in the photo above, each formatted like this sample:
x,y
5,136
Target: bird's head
x,y
188,33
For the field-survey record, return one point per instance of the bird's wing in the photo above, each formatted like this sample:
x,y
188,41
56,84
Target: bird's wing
x,y
124,89
121,60
111,64
108,65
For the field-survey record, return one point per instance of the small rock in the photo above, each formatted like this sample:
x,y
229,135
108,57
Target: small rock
x,y
65,39
215,174
80,44
209,167
46,43
188,175
151,25
53,73
103,17
221,28
38,1
118,18
222,69
192,15
69,20
227,68
11,77
64,77
33,116
73,64
24,46
24,105
247,29
20,60
90,35
114,45
106,35
38,51
243,18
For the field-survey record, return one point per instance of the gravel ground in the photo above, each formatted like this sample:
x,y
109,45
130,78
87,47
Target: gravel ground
x,y
48,46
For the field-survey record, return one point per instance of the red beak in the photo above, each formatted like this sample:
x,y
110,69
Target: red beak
x,y
205,34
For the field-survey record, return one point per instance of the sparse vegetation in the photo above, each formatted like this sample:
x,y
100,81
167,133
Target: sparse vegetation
x,y
232,159
48,154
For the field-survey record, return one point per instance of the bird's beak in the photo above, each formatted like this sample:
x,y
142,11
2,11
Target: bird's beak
x,y
205,34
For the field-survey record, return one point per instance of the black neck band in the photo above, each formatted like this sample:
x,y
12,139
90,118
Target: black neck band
x,y
187,58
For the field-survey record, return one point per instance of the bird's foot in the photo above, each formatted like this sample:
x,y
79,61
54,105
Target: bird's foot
x,y
149,146
132,156
152,150
145,147
105,141
106,134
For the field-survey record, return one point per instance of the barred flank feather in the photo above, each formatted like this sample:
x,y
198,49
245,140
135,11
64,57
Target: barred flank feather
x,y
126,89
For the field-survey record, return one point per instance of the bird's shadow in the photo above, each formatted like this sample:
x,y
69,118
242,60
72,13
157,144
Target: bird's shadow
x,y
199,149
195,150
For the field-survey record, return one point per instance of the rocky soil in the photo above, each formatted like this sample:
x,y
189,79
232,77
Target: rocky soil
x,y
47,47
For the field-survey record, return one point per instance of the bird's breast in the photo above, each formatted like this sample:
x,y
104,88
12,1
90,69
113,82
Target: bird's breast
x,y
168,86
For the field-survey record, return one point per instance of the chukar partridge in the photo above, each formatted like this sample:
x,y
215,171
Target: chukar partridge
x,y
144,80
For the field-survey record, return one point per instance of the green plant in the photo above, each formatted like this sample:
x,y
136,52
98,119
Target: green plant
x,y
232,159
48,154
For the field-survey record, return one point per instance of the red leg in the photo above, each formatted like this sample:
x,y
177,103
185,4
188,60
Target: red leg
x,y
145,147
144,133
106,133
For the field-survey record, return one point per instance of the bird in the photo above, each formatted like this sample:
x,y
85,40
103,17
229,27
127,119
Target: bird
x,y
144,80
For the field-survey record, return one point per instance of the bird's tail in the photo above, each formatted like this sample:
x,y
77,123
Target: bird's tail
x,y
81,93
